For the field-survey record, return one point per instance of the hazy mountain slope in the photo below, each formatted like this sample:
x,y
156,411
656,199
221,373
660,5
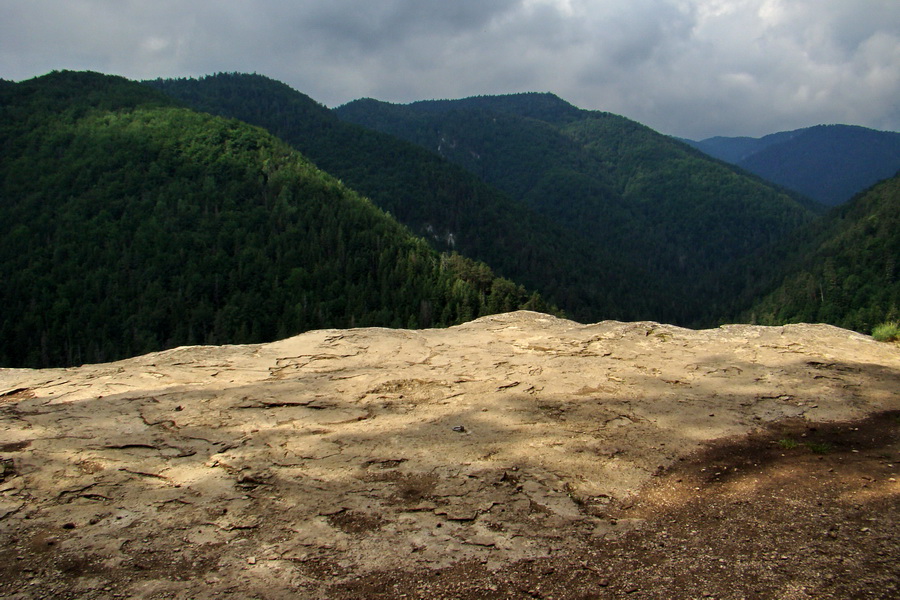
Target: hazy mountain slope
x,y
735,149
132,225
845,270
439,200
829,163
657,202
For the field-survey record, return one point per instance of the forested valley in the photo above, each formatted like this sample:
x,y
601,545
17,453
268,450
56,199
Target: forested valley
x,y
438,200
738,248
603,216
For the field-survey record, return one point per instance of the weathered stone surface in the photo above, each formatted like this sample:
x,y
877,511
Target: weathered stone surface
x,y
498,440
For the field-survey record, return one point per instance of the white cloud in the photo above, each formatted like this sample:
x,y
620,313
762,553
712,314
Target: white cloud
x,y
687,67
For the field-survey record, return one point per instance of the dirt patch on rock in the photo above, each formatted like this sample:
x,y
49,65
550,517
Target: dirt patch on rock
x,y
757,517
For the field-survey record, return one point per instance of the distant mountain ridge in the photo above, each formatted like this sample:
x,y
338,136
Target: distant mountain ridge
x,y
735,149
828,163
542,106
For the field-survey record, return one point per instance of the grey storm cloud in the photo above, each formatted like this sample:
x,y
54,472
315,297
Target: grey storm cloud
x,y
687,67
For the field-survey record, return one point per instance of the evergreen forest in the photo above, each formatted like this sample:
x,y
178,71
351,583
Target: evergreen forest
x,y
682,218
453,209
603,216
133,224
843,270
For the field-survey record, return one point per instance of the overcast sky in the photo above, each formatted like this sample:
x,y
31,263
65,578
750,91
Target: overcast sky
x,y
693,68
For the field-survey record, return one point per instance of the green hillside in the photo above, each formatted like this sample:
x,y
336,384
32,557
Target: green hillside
x,y
440,201
132,225
682,218
845,270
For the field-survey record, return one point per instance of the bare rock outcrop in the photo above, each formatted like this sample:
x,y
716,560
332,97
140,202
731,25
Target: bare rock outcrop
x,y
282,468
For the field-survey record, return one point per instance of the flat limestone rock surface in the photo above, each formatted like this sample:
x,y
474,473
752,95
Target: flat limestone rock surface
x,y
277,470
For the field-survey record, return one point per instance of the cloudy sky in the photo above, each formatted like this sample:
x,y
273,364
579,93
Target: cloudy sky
x,y
693,68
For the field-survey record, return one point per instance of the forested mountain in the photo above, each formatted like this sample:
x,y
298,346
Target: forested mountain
x,y
844,269
132,224
828,163
682,217
452,208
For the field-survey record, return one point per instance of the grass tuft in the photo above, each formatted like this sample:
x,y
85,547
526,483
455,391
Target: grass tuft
x,y
788,443
819,447
887,332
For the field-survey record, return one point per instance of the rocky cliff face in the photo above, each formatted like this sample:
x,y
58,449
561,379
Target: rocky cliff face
x,y
296,468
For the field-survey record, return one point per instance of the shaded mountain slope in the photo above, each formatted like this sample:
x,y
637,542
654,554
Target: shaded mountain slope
x,y
133,225
438,200
660,204
844,270
829,163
